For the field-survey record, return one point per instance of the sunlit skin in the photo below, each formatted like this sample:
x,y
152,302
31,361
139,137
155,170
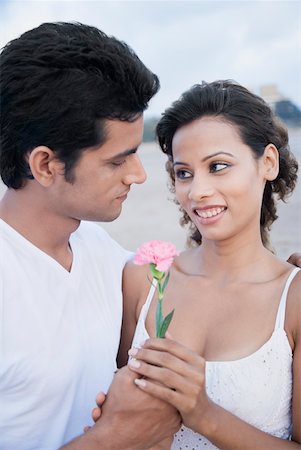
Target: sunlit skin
x,y
225,292
49,208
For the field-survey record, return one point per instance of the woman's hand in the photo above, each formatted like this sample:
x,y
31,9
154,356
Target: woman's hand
x,y
175,374
295,259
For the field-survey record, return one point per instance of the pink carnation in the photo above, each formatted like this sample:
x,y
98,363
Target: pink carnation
x,y
160,253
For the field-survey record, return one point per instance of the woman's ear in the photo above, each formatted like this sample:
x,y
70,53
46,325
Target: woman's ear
x,y
270,160
43,165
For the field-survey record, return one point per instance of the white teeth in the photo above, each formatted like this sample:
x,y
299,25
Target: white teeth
x,y
209,212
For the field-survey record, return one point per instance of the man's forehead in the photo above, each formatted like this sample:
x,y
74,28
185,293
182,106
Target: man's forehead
x,y
120,139
122,136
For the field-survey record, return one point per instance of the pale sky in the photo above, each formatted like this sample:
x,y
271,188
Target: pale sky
x,y
185,42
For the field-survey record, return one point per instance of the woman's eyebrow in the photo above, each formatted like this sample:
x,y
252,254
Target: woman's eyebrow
x,y
206,157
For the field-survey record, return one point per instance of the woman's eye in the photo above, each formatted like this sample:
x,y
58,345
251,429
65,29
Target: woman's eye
x,y
217,167
182,174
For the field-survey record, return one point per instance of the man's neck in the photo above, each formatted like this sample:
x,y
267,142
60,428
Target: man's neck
x,y
30,217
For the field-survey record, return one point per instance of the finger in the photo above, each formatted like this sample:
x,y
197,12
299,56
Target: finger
x,y
185,382
169,361
100,398
168,335
157,374
172,347
170,396
96,413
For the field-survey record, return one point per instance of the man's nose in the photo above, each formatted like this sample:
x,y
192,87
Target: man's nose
x,y
136,173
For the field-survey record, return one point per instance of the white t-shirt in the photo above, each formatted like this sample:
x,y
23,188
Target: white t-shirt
x,y
59,335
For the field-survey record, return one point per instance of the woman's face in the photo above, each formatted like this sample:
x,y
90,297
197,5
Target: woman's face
x,y
218,181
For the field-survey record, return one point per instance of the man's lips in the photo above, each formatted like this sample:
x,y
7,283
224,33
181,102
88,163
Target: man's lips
x,y
123,195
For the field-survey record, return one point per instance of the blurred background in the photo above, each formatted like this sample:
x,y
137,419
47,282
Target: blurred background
x,y
257,43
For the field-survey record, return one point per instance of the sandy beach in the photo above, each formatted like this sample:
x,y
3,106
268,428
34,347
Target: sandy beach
x,y
149,212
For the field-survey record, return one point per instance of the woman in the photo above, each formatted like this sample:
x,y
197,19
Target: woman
x,y
236,376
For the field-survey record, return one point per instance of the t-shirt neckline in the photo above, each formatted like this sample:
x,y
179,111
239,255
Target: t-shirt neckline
x,y
25,243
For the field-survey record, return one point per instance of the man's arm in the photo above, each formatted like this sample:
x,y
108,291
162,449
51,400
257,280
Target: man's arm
x,y
130,419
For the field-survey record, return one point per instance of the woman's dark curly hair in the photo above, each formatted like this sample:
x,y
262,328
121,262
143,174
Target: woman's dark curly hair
x,y
257,126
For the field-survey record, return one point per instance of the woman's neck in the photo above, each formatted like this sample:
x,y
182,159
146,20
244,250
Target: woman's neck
x,y
241,257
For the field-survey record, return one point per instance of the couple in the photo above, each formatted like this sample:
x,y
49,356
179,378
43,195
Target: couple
x,y
72,102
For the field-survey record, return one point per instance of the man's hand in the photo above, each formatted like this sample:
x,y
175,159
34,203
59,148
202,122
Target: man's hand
x,y
295,259
96,412
130,419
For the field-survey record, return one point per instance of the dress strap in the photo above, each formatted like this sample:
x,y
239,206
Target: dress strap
x,y
150,295
282,305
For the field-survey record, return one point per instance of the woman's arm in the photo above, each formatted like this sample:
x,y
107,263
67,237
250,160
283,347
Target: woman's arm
x,y
135,288
133,281
293,310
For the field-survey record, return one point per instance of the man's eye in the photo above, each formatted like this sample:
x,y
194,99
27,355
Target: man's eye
x,y
182,174
118,163
217,167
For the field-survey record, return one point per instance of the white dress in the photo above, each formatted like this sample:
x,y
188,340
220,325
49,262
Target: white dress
x,y
256,388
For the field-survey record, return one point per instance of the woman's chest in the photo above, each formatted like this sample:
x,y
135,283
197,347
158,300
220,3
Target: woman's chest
x,y
219,324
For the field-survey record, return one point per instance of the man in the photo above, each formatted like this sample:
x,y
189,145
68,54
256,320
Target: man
x,y
72,102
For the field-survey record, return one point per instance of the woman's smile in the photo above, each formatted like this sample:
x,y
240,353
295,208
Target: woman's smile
x,y
209,215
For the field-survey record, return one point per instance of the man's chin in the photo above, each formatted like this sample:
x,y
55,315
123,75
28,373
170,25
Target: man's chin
x,y
99,217
106,218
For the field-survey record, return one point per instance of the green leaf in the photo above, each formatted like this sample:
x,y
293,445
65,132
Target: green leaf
x,y
165,324
165,281
159,317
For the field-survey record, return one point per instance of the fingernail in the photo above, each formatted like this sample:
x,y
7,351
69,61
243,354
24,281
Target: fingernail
x,y
134,363
133,351
140,382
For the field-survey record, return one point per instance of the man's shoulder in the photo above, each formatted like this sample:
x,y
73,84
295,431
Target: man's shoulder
x,y
94,236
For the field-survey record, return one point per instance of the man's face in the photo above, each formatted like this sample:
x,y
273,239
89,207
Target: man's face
x,y
102,176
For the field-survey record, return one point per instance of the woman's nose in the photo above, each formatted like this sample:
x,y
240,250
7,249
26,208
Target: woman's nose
x,y
200,188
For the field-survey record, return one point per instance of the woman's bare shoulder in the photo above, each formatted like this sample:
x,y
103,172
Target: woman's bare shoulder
x,y
132,269
136,281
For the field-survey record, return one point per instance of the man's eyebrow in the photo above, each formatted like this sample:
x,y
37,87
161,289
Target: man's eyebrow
x,y
206,157
125,153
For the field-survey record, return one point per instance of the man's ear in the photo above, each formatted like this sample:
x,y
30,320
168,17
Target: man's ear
x,y
43,165
270,162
